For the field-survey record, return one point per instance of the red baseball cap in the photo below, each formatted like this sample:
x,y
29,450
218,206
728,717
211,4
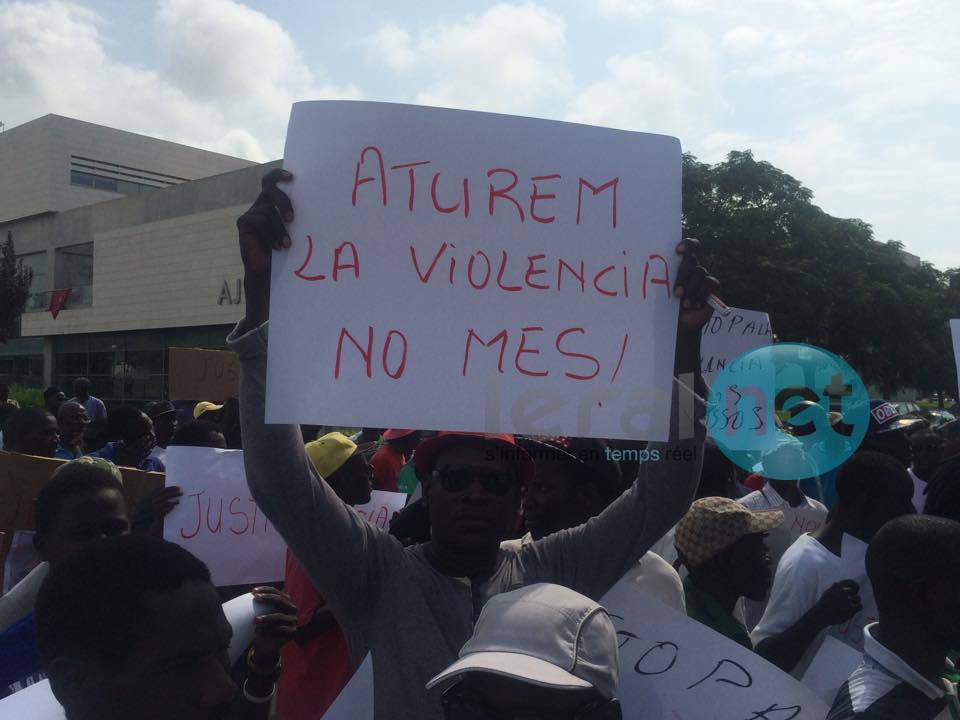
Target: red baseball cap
x,y
396,434
427,451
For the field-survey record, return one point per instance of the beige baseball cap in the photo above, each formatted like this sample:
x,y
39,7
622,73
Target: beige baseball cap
x,y
715,523
542,634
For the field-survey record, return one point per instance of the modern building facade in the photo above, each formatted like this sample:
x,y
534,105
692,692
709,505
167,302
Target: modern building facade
x,y
136,236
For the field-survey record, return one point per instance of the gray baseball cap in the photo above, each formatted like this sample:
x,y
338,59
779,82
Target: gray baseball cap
x,y
543,634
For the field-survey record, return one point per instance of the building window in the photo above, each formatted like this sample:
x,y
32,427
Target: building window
x,y
126,368
102,182
74,270
37,262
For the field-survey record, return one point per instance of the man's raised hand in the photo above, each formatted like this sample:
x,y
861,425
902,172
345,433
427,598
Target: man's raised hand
x,y
261,231
693,286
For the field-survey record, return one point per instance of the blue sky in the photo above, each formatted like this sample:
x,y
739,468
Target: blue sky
x,y
858,99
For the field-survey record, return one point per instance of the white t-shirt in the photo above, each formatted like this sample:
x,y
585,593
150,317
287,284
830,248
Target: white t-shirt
x,y
656,577
665,548
651,575
919,491
808,516
806,570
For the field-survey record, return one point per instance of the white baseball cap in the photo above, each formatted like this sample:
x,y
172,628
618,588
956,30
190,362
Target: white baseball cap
x,y
542,634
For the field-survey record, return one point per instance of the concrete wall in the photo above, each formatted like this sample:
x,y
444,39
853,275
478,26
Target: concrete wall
x,y
35,163
162,274
160,258
24,171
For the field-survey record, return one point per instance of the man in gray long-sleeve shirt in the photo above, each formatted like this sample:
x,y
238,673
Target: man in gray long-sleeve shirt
x,y
414,607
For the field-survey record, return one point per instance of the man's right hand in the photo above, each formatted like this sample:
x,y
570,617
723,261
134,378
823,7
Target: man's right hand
x,y
262,230
839,603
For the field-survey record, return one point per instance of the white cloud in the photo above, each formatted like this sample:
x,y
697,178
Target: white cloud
x,y
391,44
509,58
644,8
209,90
674,90
744,38
626,8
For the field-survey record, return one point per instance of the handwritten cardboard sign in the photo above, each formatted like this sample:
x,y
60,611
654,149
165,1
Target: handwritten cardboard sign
x,y
383,504
726,338
470,271
195,374
675,668
218,521
22,476
724,341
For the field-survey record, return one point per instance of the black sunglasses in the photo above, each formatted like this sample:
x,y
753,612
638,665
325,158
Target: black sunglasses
x,y
458,479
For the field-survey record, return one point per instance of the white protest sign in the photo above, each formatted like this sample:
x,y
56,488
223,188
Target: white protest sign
x,y
355,701
724,341
477,272
383,504
830,668
955,333
218,521
725,338
675,668
36,702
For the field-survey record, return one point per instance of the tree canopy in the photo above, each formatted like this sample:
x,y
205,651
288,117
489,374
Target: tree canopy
x,y
824,280
15,280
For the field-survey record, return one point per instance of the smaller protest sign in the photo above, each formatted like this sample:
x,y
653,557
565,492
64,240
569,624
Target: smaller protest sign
x,y
196,374
725,340
726,337
22,476
382,506
830,668
955,332
218,521
674,667
355,701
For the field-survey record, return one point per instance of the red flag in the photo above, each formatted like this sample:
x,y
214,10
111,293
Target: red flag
x,y
58,298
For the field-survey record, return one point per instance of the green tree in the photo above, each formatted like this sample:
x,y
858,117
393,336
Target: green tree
x,y
824,280
15,281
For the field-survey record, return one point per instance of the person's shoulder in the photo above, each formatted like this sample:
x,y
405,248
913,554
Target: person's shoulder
x,y
804,553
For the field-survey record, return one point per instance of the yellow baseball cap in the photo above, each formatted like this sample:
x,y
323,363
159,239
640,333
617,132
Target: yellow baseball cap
x,y
330,452
201,407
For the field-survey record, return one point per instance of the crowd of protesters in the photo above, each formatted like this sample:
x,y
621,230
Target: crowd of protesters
x,y
481,601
